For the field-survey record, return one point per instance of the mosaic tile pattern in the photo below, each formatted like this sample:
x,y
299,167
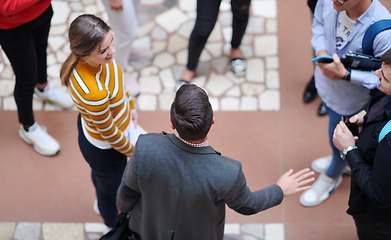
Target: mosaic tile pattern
x,y
93,231
164,27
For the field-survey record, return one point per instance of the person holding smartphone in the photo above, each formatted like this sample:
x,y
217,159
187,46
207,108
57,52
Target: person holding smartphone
x,y
338,27
369,158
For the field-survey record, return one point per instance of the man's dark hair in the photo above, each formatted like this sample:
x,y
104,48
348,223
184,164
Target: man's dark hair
x,y
191,113
386,58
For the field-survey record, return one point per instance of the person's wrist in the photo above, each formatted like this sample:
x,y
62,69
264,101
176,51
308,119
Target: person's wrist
x,y
346,77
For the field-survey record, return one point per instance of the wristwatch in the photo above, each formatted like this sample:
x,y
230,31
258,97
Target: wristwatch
x,y
344,152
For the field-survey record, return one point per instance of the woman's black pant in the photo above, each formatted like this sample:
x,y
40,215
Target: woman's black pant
x,y
207,13
25,47
107,167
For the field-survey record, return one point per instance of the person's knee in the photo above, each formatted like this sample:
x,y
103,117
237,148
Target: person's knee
x,y
241,12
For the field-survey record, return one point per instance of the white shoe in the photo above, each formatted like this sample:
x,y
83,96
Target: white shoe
x,y
54,95
321,164
320,190
95,207
41,141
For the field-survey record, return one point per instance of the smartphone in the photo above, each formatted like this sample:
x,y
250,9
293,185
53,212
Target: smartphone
x,y
323,59
351,126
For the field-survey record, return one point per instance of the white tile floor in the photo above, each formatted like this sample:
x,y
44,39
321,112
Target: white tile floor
x,y
165,30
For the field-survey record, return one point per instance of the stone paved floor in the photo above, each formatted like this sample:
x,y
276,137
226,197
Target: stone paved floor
x,y
164,27
258,90
93,231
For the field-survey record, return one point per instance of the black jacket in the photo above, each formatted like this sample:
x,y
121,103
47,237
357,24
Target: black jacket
x,y
370,193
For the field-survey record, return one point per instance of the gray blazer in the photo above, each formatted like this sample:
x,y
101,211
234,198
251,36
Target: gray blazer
x,y
182,190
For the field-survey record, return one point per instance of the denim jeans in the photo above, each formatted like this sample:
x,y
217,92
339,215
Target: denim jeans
x,y
337,163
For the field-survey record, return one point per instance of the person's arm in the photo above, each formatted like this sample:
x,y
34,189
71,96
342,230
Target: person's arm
x,y
245,202
318,41
12,7
368,79
374,181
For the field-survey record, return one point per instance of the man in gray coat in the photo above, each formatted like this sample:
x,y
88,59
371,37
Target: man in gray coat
x,y
176,186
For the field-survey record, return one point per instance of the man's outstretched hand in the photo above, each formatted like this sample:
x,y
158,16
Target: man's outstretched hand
x,y
292,183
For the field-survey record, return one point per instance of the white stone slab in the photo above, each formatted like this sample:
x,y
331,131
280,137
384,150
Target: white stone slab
x,y
159,34
234,92
158,46
265,8
272,62
216,35
63,231
271,26
205,56
7,230
225,6
218,84
28,231
145,29
165,101
248,103
181,57
148,71
214,102
227,33
272,79
230,104
187,5
269,100
164,60
255,70
95,227
171,19
167,78
9,104
147,102
150,84
6,87
61,10
232,228
249,89
274,231
215,49
176,43
266,45
255,229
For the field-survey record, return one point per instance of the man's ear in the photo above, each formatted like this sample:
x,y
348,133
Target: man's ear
x,y
213,120
172,126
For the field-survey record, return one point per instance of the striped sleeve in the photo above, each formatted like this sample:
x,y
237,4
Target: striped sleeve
x,y
104,113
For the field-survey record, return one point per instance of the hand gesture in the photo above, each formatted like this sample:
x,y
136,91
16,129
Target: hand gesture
x,y
292,183
342,137
335,70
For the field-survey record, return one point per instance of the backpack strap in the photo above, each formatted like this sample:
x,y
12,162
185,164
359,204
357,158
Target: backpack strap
x,y
384,131
370,34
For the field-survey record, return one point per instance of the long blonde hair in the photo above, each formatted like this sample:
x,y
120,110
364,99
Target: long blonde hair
x,y
85,33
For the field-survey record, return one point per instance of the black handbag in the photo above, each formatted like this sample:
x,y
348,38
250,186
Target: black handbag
x,y
121,230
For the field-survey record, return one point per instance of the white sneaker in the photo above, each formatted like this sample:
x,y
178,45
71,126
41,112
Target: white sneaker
x,y
320,190
54,95
321,164
95,207
41,141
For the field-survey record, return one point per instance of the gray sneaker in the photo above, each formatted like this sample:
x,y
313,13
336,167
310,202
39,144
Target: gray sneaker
x,y
321,164
239,66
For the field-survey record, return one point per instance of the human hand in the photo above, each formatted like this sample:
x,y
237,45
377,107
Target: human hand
x,y
334,70
116,5
342,137
134,116
358,119
292,183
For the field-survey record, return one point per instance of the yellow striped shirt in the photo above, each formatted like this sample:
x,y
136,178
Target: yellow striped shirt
x,y
103,103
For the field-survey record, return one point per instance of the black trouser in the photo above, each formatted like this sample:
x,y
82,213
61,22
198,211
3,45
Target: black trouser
x,y
107,167
207,12
25,47
372,230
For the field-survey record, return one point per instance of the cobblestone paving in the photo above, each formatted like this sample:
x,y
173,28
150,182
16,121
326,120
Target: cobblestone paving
x,y
164,27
